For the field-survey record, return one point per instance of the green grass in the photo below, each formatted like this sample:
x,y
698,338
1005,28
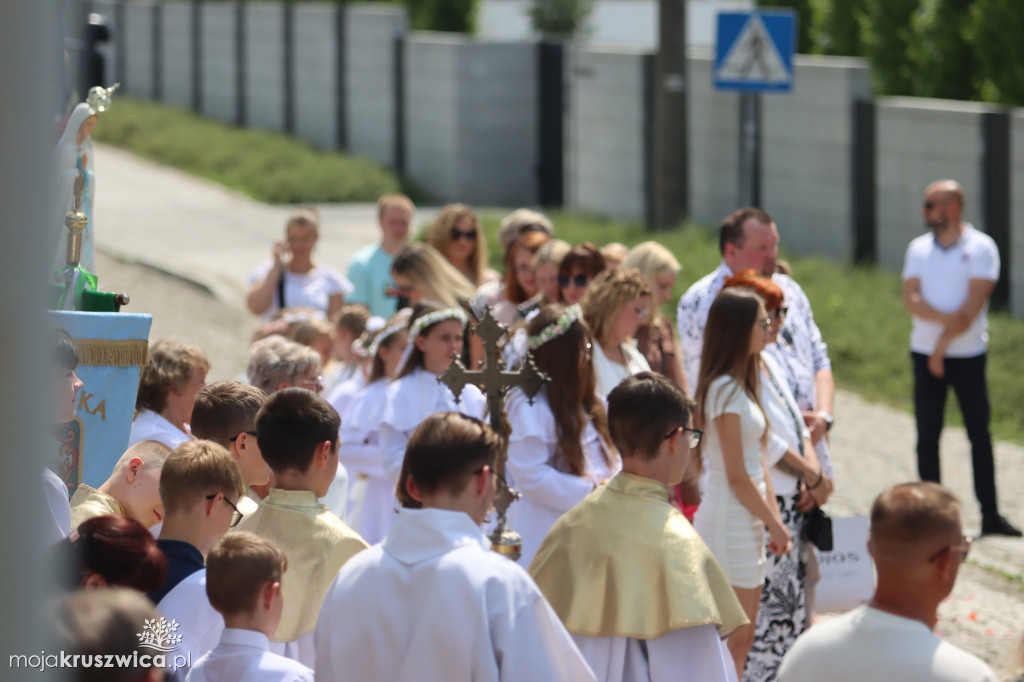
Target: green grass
x,y
269,167
858,309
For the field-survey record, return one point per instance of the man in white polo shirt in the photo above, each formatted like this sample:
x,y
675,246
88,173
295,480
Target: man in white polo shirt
x,y
948,277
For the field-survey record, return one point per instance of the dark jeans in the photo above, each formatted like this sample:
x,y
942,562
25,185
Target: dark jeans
x,y
967,377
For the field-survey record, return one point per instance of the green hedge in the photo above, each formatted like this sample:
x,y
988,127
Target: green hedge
x,y
267,166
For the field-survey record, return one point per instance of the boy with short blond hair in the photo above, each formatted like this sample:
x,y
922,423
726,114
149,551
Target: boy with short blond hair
x,y
298,434
243,584
225,412
132,490
200,486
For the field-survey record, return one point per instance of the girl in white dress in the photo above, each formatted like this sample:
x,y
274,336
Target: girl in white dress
x,y
617,302
738,501
371,509
435,334
559,449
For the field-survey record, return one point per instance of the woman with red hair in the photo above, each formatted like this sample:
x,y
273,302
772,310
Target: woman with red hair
x,y
112,551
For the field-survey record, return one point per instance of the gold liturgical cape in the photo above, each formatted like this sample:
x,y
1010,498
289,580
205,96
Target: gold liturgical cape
x,y
317,544
88,502
625,563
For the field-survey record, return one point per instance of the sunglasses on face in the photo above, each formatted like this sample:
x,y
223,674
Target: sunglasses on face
x,y
468,235
578,280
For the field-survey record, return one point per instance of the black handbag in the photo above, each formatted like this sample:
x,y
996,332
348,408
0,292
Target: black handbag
x,y
818,529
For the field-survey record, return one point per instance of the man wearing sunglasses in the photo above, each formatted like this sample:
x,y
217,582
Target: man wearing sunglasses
x,y
918,546
948,276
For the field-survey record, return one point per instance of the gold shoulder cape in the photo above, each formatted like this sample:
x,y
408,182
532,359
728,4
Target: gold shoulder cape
x,y
88,502
317,544
625,563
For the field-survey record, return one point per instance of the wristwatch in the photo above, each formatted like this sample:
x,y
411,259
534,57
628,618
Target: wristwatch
x,y
829,420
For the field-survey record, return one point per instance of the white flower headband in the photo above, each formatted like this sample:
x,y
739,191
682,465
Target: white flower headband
x,y
557,328
430,319
383,336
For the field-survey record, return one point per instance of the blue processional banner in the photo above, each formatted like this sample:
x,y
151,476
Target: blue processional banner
x,y
114,348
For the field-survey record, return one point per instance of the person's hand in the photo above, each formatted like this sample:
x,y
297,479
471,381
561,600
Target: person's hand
x,y
779,541
821,494
816,424
85,162
280,251
937,365
805,502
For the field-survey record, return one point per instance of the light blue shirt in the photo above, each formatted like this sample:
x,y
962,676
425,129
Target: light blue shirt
x,y
370,272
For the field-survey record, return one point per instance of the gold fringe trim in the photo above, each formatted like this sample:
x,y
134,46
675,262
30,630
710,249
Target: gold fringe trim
x,y
113,352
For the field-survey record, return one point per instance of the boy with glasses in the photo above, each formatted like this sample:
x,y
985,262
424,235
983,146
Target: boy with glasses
x,y
660,604
200,485
298,436
225,412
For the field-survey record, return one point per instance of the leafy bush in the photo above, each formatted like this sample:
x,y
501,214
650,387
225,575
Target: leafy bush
x,y
558,18
835,27
267,166
458,16
940,54
886,37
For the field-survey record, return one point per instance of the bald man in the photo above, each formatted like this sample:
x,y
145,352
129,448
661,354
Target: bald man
x,y
948,276
917,544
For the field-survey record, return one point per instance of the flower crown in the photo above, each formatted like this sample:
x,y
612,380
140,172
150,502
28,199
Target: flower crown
x,y
430,319
383,336
569,316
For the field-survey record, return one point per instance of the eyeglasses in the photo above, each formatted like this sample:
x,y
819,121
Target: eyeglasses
x,y
963,549
236,515
235,437
578,280
764,323
929,205
695,435
779,313
468,235
315,384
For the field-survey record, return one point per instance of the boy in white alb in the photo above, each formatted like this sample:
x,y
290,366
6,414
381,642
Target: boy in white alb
x,y
244,574
432,602
660,604
200,486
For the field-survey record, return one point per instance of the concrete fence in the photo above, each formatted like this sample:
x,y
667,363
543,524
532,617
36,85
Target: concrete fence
x,y
520,123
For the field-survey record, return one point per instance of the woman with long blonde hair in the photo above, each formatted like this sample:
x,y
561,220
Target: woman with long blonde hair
x,y
739,501
455,234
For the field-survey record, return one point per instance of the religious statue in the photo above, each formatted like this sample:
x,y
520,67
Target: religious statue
x,y
72,156
494,381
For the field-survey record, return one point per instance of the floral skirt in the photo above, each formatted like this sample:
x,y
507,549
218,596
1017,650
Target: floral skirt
x,y
783,615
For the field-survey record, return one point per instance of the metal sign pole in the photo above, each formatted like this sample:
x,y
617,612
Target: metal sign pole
x,y
750,149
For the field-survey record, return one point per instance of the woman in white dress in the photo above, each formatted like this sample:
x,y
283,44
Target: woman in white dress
x,y
559,449
739,501
175,373
371,508
617,302
799,486
435,334
292,279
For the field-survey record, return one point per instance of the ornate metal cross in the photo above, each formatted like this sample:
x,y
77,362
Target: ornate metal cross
x,y
495,381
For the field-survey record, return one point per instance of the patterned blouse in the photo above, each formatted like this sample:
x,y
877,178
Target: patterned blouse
x,y
800,350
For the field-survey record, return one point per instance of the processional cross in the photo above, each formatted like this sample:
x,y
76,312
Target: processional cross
x,y
495,381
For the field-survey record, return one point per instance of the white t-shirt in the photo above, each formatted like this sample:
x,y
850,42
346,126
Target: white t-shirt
x,y
945,276
868,644
57,524
308,290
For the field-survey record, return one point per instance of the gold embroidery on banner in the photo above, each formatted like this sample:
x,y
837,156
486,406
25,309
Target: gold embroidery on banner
x,y
113,352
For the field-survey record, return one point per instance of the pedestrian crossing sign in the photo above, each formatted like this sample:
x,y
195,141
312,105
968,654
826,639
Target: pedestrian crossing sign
x,y
754,51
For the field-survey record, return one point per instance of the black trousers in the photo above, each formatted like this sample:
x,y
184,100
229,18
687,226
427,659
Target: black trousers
x,y
967,377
